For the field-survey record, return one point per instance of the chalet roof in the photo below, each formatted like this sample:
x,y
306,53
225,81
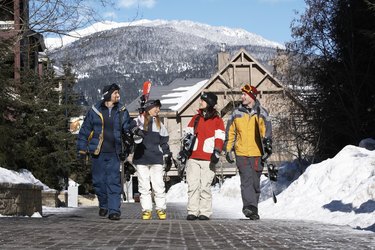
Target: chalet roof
x,y
172,96
181,93
242,57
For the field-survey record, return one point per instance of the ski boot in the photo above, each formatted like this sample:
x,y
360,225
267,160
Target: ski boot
x,y
146,215
251,212
161,214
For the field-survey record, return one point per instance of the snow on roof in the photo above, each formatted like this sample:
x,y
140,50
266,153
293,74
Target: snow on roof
x,y
181,95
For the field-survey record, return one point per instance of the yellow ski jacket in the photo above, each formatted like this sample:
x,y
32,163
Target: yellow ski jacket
x,y
242,130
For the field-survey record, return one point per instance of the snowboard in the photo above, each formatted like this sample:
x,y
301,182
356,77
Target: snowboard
x,y
271,169
272,177
146,89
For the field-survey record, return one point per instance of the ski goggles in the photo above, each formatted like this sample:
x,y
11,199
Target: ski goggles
x,y
250,90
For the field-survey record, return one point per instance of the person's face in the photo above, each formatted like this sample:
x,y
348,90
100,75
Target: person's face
x,y
247,100
202,104
115,97
154,111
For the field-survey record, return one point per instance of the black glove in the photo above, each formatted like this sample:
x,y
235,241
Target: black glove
x,y
229,157
215,157
167,162
267,143
138,135
138,131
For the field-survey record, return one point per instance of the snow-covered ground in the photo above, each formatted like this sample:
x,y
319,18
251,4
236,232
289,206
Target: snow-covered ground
x,y
339,191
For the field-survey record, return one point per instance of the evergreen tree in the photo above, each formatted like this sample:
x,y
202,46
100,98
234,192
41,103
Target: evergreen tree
x,y
334,39
6,110
42,142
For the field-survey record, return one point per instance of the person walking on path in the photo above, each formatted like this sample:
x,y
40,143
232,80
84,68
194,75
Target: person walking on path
x,y
152,157
208,129
246,125
100,137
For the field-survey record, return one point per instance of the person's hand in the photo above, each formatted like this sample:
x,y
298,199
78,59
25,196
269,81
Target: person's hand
x,y
267,143
229,157
167,161
138,135
215,157
139,132
81,155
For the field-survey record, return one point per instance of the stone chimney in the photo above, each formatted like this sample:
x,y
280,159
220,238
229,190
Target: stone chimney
x,y
222,57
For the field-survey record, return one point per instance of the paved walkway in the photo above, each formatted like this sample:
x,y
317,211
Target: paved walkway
x,y
82,228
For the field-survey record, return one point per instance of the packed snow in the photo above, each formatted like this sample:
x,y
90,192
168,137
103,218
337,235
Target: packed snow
x,y
338,191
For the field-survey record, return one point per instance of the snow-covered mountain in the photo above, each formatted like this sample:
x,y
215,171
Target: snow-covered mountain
x,y
159,51
219,34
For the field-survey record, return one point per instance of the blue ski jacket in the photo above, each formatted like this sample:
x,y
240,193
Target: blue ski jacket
x,y
91,134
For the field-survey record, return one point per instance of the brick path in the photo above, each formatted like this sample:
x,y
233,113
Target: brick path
x,y
82,228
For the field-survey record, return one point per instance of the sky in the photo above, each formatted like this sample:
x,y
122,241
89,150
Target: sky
x,y
270,19
339,191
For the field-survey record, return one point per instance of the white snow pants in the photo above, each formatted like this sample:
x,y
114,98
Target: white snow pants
x,y
199,178
153,173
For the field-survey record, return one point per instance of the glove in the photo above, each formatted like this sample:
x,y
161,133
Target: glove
x,y
267,144
138,131
229,157
167,161
138,135
215,157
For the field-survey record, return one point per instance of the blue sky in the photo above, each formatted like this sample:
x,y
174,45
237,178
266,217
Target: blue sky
x,y
268,18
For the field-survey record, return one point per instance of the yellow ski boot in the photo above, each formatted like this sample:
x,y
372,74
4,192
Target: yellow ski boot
x,y
161,214
146,215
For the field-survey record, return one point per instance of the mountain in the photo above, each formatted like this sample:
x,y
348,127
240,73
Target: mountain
x,y
159,51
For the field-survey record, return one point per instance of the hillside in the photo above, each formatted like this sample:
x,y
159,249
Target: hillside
x,y
159,51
